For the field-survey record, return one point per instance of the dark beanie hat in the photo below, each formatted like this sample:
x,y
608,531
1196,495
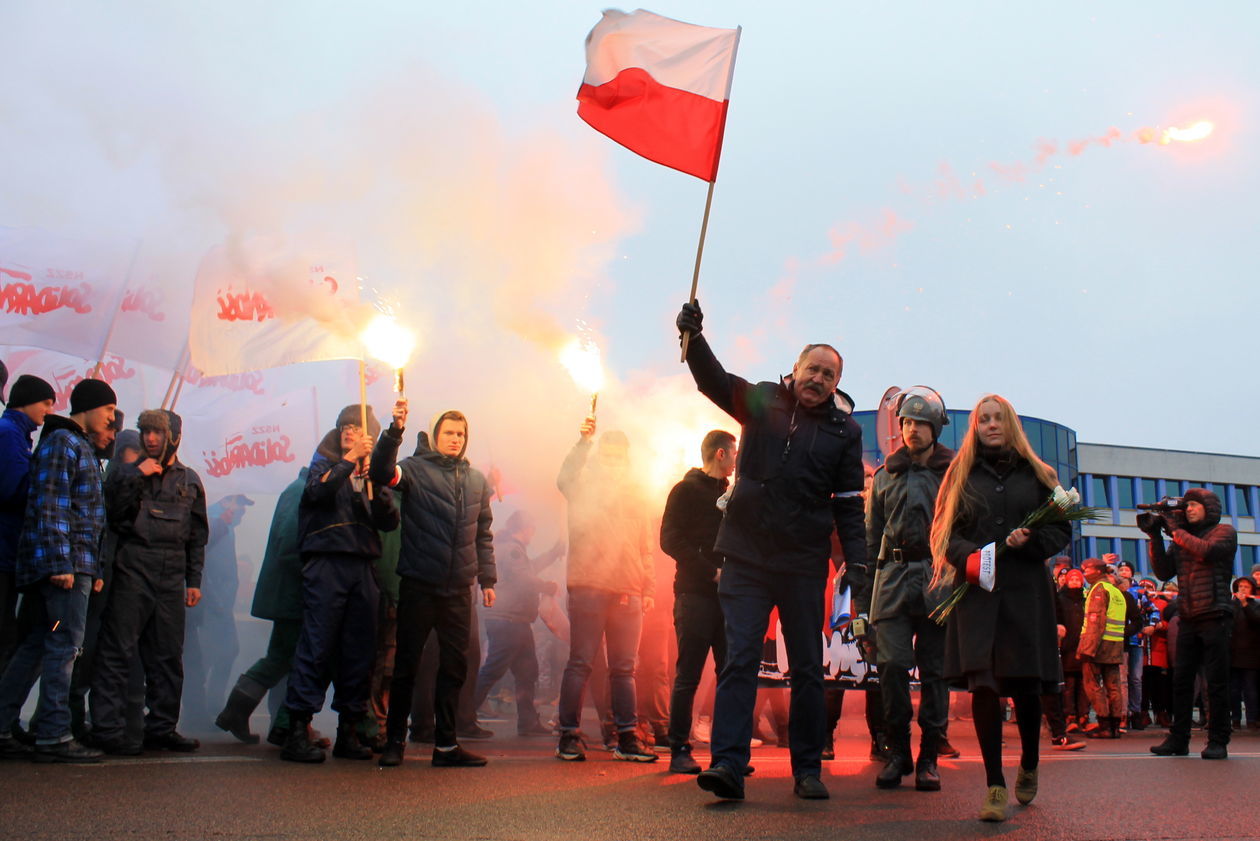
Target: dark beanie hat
x,y
1211,503
351,416
91,394
28,389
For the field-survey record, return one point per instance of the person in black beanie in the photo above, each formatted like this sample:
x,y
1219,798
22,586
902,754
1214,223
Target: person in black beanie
x,y
1201,555
30,401
58,562
689,528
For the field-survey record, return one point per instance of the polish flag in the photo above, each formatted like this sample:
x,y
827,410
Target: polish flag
x,y
660,88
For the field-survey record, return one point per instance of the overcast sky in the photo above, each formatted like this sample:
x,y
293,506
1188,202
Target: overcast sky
x,y
920,183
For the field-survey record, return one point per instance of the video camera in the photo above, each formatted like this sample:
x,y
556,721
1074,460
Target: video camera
x,y
1156,515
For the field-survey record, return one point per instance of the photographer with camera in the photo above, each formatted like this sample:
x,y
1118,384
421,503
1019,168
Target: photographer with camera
x,y
1201,554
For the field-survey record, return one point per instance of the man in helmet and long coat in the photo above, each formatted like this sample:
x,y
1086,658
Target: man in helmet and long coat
x,y
898,522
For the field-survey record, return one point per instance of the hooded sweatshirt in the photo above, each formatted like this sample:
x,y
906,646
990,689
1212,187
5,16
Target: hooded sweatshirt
x,y
447,542
1202,558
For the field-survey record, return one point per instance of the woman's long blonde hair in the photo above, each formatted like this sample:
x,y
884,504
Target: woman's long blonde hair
x,y
953,500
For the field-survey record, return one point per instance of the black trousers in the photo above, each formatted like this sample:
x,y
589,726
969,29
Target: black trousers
x,y
902,643
1203,644
421,611
699,627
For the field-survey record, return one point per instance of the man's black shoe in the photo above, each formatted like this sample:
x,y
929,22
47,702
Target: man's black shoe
x,y
112,747
721,781
947,750
879,748
475,732
349,745
11,748
810,787
70,753
682,762
457,757
571,748
829,749
392,755
1214,750
171,741
631,748
926,777
1171,746
898,766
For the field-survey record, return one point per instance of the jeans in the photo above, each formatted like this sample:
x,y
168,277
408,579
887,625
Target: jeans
x,y
599,616
748,593
1244,690
1136,658
47,653
510,646
1203,644
699,626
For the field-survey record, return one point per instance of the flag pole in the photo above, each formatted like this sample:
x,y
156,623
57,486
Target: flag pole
x,y
113,321
176,375
695,275
179,385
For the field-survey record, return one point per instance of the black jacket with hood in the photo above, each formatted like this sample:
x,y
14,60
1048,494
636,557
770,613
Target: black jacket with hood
x,y
1202,558
689,529
446,517
335,518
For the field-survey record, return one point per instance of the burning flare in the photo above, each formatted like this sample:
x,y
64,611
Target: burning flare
x,y
581,359
1198,131
390,342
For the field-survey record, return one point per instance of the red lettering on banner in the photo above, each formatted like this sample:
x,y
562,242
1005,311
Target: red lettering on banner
x,y
144,301
113,369
237,454
251,381
25,298
244,306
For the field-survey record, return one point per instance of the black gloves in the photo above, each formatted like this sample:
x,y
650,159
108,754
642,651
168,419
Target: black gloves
x,y
1173,520
690,319
1149,522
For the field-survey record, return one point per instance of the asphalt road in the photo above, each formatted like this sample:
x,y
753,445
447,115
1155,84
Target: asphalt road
x,y
1111,790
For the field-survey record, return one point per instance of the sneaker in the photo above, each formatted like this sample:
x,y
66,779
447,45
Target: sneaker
x,y
1066,743
1025,785
475,732
71,753
457,757
571,748
631,748
682,762
994,808
171,741
721,781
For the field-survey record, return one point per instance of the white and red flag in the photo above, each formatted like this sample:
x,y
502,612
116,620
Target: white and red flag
x,y
660,87
59,293
266,302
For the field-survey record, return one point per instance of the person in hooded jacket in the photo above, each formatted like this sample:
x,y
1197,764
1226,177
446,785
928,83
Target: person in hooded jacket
x,y
447,544
157,509
1201,555
1244,660
30,401
1070,614
898,525
339,520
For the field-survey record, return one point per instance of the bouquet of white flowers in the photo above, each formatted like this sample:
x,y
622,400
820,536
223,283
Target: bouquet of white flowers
x,y
1062,507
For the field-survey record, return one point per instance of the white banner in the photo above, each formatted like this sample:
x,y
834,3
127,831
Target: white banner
x,y
152,322
238,447
59,293
266,303
63,372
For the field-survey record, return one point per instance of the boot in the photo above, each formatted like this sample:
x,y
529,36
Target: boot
x,y
926,777
297,744
348,744
898,766
235,716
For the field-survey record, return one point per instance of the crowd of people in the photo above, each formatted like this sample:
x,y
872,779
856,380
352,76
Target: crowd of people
x,y
376,566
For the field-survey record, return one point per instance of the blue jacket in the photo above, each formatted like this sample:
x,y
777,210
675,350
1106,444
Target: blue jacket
x,y
335,519
65,512
16,429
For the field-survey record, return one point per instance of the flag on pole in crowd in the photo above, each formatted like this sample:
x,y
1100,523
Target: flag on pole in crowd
x,y
59,293
264,303
660,87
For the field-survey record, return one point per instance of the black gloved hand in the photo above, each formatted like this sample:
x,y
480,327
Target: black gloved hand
x,y
690,319
1173,520
1149,522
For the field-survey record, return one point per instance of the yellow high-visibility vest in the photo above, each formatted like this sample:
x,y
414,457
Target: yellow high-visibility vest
x,y
1113,631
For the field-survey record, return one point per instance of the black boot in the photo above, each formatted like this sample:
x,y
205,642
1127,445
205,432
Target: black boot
x,y
235,716
899,765
348,744
297,744
926,776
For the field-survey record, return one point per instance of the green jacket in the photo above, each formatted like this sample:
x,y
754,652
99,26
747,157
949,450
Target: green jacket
x,y
278,594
